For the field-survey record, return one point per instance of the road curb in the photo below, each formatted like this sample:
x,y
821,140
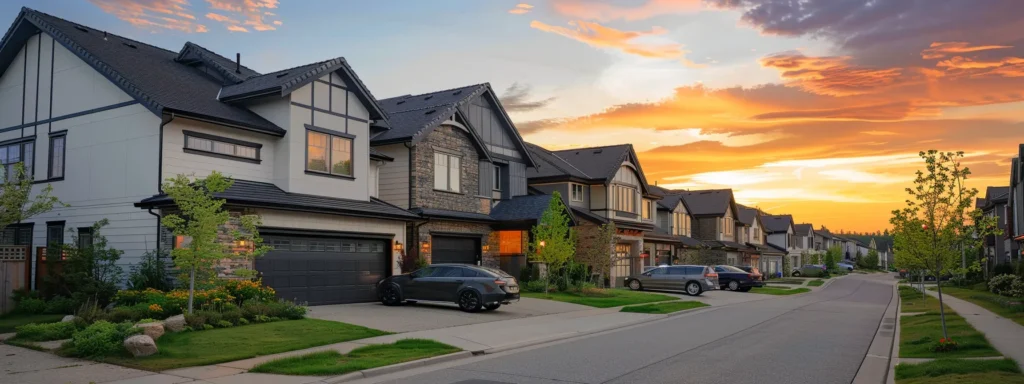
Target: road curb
x,y
399,367
877,367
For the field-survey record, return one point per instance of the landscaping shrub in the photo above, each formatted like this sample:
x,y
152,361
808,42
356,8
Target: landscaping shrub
x,y
534,286
243,321
1006,285
174,302
224,324
983,287
89,312
150,273
60,305
253,310
1013,304
31,306
89,272
46,332
232,314
244,290
101,338
1003,269
135,313
196,320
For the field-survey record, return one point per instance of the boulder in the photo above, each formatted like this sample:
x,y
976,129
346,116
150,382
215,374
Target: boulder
x,y
153,330
175,323
68,319
140,345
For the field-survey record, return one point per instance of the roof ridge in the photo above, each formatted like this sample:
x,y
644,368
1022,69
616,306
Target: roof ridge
x,y
440,91
598,147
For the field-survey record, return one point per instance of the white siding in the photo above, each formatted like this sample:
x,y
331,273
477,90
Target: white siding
x,y
286,219
78,87
394,175
176,161
374,177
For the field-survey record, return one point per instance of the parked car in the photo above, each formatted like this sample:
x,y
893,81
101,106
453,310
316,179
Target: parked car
x,y
736,279
846,266
811,270
471,287
753,271
692,279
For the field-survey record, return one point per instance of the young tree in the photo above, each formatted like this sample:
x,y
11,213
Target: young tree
x,y
199,220
929,233
16,200
552,243
90,272
832,257
597,252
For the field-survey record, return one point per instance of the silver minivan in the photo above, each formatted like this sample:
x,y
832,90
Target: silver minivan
x,y
692,279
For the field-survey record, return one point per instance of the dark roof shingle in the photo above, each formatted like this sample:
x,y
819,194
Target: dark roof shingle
x,y
776,223
598,162
551,165
713,202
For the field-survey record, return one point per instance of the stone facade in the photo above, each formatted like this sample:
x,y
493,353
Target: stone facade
x,y
705,228
450,140
224,267
422,233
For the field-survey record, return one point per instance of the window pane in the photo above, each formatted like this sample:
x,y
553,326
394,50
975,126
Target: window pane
x,y
440,171
497,178
341,156
57,157
510,242
247,152
14,153
456,171
29,158
317,151
198,144
223,148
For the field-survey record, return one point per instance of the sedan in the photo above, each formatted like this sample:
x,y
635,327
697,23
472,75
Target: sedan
x,y
846,266
754,272
692,279
811,270
471,287
736,279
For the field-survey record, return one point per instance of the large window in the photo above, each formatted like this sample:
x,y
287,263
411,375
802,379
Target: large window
x,y
510,242
221,146
12,154
624,198
576,192
447,172
328,154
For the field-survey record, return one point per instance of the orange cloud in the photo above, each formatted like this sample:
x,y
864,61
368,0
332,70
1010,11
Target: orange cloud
x,y
520,9
938,50
251,12
221,18
236,28
600,36
152,14
602,11
832,75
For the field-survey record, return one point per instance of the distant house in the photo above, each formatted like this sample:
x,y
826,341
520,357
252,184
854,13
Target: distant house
x,y
765,256
997,249
803,237
671,235
714,215
781,233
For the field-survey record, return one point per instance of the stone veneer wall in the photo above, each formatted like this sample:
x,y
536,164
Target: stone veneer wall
x,y
705,228
488,259
225,267
447,139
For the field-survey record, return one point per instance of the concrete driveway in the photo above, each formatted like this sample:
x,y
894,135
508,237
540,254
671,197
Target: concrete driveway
x,y
423,316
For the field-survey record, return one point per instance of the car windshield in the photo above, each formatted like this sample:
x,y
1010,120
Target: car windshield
x,y
729,268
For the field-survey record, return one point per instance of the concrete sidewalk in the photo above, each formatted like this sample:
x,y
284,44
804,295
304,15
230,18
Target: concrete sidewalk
x,y
1004,334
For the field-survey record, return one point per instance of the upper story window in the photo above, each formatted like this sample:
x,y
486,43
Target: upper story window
x,y
329,153
681,223
497,178
205,144
576,192
624,198
12,154
447,172
647,209
727,225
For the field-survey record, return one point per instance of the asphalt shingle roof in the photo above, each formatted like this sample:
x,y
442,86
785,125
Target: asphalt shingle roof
x,y
709,202
521,208
776,223
598,162
551,165
149,74
267,195
802,229
746,215
411,114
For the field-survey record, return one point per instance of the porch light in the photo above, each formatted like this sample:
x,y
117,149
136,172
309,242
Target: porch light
x,y
543,243
487,247
398,246
424,246
240,243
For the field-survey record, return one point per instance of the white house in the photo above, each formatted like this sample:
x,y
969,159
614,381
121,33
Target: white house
x,y
104,119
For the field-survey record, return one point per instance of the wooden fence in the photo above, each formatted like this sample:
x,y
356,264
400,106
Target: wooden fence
x,y
14,273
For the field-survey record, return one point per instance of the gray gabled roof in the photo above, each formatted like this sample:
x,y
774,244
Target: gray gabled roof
x,y
669,198
551,165
712,202
149,74
777,223
231,70
524,208
266,195
803,229
598,162
746,215
375,154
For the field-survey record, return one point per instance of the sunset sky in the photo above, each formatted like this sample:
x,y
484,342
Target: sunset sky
x,y
815,108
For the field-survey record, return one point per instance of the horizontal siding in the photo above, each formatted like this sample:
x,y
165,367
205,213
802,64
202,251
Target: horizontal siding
x,y
394,175
177,161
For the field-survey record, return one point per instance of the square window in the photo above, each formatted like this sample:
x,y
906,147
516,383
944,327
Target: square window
x,y
576,193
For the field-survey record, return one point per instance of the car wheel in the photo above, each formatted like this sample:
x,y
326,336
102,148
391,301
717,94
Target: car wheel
x,y
469,301
390,296
635,285
796,274
491,307
693,289
734,285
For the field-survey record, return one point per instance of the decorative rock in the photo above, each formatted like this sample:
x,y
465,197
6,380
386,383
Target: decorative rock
x,y
175,323
153,330
68,319
140,345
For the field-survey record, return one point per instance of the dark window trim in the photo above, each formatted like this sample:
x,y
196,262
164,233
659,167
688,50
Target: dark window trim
x,y
63,156
71,115
21,141
257,146
496,178
331,84
448,177
330,132
17,140
92,239
312,108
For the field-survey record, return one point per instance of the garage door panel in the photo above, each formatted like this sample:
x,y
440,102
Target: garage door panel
x,y
462,250
324,271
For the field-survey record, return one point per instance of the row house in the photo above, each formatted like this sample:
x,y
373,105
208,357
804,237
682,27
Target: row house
x,y
997,249
781,234
765,256
1015,199
104,120
670,239
602,185
713,214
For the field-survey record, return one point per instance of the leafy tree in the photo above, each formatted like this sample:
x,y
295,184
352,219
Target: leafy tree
x,y
597,252
787,269
552,242
832,257
199,220
929,233
16,200
89,271
869,261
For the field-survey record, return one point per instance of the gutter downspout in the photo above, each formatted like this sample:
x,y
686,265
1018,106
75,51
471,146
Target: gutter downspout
x,y
159,180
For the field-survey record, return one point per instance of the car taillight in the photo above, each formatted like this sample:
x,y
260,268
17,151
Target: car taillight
x,y
750,276
500,282
710,274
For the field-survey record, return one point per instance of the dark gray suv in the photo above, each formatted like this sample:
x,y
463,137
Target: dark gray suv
x,y
471,287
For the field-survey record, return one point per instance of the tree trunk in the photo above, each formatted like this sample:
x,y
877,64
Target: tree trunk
x,y
191,287
942,312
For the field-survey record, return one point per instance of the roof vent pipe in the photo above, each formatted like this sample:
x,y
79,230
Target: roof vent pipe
x,y
238,62
104,35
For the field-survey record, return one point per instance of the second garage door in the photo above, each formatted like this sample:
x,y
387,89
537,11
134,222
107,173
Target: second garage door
x,y
461,250
324,270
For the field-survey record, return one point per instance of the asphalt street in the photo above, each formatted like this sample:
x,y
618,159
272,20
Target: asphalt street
x,y
819,337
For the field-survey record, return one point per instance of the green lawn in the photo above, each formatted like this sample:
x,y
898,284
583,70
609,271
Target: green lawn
x,y
942,367
779,291
606,298
970,378
663,308
1012,308
11,321
186,349
370,356
919,333
816,283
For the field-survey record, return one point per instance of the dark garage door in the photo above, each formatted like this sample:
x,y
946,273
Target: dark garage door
x,y
323,270
462,250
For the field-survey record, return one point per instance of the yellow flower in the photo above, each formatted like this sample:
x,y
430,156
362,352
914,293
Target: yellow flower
x,y
155,308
